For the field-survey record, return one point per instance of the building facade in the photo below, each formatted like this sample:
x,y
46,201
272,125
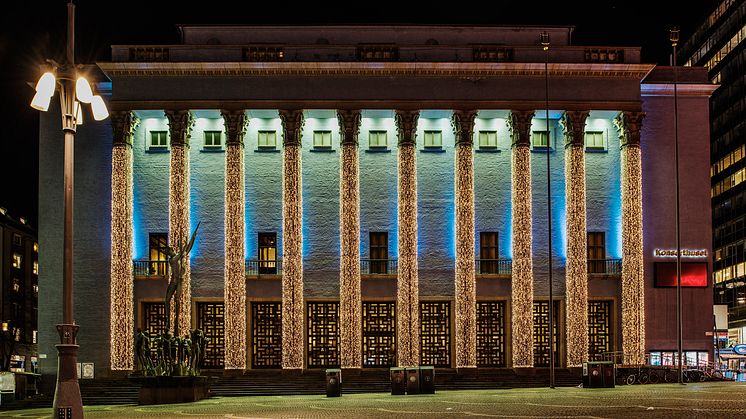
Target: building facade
x,y
377,196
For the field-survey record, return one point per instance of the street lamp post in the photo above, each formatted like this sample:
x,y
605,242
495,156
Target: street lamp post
x,y
74,90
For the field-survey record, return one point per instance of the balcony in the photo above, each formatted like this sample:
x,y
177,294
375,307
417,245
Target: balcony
x,y
263,267
150,269
494,266
379,266
605,267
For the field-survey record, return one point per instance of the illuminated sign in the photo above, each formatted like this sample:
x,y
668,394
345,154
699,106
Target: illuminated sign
x,y
693,274
740,349
685,253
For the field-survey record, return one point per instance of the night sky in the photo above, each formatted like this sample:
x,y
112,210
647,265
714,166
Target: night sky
x,y
31,31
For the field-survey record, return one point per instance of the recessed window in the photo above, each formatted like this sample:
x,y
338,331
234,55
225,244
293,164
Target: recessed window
x,y
267,253
488,252
379,252
322,139
17,260
377,139
213,139
487,139
594,140
267,139
157,253
17,240
36,267
433,139
540,139
596,252
158,139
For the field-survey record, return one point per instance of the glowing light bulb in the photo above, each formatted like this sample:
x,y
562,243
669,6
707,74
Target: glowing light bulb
x,y
83,90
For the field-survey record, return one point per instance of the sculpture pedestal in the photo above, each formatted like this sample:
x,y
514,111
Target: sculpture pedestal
x,y
176,389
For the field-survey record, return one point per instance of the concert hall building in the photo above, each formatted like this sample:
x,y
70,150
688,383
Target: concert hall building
x,y
376,196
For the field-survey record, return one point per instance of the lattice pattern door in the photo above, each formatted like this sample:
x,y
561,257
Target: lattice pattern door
x,y
599,329
491,334
323,334
541,329
153,318
266,335
379,334
435,333
210,318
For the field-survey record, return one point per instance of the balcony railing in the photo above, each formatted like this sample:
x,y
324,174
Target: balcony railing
x,y
605,266
264,267
150,268
494,266
379,266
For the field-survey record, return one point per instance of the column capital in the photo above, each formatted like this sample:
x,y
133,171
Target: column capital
x,y
629,125
573,127
519,123
235,121
349,125
292,125
406,126
123,125
462,122
180,123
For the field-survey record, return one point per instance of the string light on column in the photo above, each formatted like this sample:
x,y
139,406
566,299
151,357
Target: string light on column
x,y
522,284
292,241
407,294
350,301
122,288
466,294
235,253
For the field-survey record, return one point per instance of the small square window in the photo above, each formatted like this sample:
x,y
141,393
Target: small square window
x,y
213,139
594,140
540,139
433,139
377,139
322,139
267,139
17,260
158,139
17,240
487,139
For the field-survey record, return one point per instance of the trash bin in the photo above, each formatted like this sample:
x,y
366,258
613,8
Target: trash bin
x,y
427,380
333,382
398,381
413,380
598,374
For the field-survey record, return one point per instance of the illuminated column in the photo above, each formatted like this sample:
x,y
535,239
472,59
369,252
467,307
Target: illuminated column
x,y
292,241
180,124
633,283
122,293
234,291
466,292
407,290
576,273
350,303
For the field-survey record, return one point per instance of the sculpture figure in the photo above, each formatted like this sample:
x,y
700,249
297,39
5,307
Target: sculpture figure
x,y
176,257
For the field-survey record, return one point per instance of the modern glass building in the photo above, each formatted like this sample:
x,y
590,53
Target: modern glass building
x,y
718,46
372,196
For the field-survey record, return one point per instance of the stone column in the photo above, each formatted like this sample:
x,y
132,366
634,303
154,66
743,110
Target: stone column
x,y
122,322
234,290
292,241
350,302
180,123
576,273
522,281
629,125
407,292
466,287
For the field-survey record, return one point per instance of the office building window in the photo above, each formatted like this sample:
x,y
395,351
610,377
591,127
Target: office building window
x,y
433,139
487,139
267,139
596,252
322,139
213,139
540,139
379,252
267,253
377,139
594,140
17,260
488,252
158,139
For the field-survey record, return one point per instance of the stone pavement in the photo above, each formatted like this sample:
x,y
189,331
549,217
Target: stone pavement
x,y
707,400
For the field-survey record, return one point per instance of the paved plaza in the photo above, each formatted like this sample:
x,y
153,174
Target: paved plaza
x,y
721,399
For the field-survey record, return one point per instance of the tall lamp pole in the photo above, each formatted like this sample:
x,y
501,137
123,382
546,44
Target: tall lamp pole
x,y
545,46
674,38
74,90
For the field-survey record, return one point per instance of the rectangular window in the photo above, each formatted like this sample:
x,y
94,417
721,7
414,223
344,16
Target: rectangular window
x,y
158,253
17,260
17,240
379,252
596,252
267,253
267,139
377,139
594,140
213,139
487,139
540,139
488,252
36,267
158,139
16,285
322,139
36,247
433,139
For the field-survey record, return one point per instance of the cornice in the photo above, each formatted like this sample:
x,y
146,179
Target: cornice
x,y
666,89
